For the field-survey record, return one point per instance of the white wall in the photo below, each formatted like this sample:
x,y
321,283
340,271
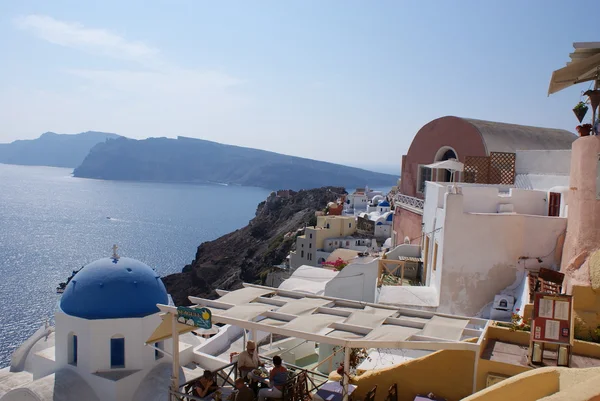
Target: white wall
x,y
556,162
357,282
383,231
478,253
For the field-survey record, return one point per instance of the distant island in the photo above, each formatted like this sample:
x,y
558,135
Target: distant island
x,y
188,160
51,149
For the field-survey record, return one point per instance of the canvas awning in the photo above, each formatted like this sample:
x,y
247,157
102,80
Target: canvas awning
x,y
340,322
583,67
452,165
164,330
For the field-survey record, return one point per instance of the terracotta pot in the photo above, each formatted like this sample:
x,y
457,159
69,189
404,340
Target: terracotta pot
x,y
580,113
594,96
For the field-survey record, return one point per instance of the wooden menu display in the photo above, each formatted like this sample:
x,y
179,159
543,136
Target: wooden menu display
x,y
552,323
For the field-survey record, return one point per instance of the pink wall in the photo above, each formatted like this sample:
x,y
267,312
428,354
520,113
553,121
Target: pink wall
x,y
407,224
455,132
583,227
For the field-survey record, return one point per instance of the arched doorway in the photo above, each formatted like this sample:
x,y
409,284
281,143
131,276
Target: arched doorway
x,y
445,153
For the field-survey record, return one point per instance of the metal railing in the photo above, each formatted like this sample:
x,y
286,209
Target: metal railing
x,y
408,201
226,376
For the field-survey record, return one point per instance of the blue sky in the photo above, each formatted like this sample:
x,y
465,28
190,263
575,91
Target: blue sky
x,y
342,81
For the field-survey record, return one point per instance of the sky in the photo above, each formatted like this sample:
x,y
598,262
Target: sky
x,y
342,81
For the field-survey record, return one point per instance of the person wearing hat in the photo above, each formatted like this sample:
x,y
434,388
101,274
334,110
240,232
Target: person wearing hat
x,y
248,360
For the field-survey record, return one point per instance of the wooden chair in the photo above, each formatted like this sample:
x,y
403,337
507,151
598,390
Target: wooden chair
x,y
289,388
392,394
370,396
301,390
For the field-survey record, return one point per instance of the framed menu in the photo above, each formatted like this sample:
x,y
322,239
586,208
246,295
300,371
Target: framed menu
x,y
552,318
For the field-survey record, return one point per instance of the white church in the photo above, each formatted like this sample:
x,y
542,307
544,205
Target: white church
x,y
97,350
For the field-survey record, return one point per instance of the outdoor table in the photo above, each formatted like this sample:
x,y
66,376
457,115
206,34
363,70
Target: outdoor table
x,y
332,391
260,379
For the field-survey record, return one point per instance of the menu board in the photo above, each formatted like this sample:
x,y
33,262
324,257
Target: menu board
x,y
552,318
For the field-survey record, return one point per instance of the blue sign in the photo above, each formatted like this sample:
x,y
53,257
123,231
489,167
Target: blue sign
x,y
200,317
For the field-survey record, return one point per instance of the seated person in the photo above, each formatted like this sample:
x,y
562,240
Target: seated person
x,y
205,385
277,380
243,393
248,360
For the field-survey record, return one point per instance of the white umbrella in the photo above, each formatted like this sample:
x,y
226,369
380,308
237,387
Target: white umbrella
x,y
453,165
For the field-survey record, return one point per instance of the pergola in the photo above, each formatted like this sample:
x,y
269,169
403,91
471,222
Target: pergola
x,y
340,322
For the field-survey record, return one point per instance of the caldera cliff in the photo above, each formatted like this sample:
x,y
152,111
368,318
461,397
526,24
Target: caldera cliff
x,y
245,255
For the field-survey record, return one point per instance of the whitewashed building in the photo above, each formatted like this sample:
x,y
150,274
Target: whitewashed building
x,y
479,241
97,351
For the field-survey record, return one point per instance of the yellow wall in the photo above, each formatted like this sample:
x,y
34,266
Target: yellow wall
x,y
485,366
529,386
446,373
449,374
586,306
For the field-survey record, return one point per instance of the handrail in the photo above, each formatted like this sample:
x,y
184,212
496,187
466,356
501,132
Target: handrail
x,y
410,201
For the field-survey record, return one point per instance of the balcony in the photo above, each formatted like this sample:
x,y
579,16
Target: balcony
x,y
408,202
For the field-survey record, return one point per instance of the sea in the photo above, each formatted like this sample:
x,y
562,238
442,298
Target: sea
x,y
52,223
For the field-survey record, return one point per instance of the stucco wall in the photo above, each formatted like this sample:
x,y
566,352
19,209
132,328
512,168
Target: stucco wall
x,y
478,253
556,162
407,224
357,282
454,132
446,373
584,209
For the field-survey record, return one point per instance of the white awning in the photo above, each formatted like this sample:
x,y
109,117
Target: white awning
x,y
584,66
452,165
341,322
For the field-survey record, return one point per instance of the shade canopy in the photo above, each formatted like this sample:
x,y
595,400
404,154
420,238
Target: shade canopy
x,y
584,66
341,322
453,165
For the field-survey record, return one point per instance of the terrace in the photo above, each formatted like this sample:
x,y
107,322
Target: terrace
x,y
340,325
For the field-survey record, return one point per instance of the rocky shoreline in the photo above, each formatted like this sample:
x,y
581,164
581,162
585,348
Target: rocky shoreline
x,y
248,254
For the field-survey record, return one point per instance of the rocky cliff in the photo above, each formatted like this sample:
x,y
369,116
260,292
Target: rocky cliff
x,y
198,161
246,255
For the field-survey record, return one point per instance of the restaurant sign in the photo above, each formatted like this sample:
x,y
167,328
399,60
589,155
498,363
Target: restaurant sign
x,y
198,317
552,318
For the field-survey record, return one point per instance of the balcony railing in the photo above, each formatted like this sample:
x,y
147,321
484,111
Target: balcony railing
x,y
409,202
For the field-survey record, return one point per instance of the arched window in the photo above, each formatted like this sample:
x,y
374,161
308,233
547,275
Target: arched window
x,y
72,348
117,352
503,303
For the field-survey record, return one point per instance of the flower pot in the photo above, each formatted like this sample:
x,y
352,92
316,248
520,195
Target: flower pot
x,y
580,112
584,130
594,96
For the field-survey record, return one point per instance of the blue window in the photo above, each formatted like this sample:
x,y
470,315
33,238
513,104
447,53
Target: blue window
x,y
117,352
72,349
161,346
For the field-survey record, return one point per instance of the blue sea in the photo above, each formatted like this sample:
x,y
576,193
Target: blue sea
x,y
52,223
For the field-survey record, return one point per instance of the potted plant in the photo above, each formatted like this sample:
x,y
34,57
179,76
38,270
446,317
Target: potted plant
x,y
580,109
584,129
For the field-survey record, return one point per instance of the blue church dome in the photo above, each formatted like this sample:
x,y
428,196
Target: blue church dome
x,y
114,289
384,204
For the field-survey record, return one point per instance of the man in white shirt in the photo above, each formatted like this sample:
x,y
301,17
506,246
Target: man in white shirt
x,y
248,360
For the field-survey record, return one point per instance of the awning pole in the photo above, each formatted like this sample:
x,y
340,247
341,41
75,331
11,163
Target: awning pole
x,y
244,345
346,378
175,337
